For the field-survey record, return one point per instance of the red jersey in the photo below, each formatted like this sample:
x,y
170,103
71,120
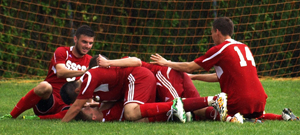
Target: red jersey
x,y
236,70
107,83
116,113
63,55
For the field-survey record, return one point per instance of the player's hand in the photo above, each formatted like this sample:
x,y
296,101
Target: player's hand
x,y
157,59
102,61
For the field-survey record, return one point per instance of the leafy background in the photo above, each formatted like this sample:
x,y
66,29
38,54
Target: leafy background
x,y
31,30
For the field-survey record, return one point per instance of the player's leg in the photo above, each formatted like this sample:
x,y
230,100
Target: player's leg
x,y
170,84
41,91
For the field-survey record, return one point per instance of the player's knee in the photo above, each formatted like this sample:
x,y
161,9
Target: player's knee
x,y
43,89
132,112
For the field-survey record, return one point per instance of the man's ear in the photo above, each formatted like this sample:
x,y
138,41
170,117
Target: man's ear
x,y
77,90
75,39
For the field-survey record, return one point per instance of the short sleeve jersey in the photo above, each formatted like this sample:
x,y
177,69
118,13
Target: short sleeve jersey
x,y
236,70
107,83
63,55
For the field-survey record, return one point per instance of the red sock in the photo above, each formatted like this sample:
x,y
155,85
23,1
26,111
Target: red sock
x,y
271,116
59,115
192,104
153,109
26,102
210,113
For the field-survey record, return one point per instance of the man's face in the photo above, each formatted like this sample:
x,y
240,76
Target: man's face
x,y
93,113
83,44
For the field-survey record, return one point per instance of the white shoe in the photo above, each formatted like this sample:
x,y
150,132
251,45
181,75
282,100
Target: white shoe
x,y
220,105
237,118
177,110
288,115
189,117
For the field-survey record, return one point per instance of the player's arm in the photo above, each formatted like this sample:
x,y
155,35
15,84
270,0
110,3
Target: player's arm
x,y
179,66
74,109
63,72
125,62
204,77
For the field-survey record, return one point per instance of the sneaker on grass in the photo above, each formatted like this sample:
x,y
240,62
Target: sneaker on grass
x,y
6,116
288,115
31,117
237,118
220,105
177,111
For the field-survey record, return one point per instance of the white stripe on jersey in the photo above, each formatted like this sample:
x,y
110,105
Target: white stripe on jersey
x,y
67,55
130,87
168,72
88,83
224,47
133,101
167,84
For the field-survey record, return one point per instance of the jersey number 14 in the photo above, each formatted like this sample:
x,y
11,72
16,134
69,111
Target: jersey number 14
x,y
249,56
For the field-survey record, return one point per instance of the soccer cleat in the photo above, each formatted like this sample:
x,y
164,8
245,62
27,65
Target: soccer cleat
x,y
237,118
31,117
288,115
177,111
220,105
6,116
189,117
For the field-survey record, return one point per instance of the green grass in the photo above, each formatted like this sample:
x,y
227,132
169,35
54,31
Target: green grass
x,y
281,94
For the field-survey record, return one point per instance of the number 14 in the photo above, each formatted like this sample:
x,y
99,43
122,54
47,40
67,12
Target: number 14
x,y
249,56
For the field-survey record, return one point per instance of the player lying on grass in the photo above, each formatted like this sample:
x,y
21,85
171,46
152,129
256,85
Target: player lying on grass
x,y
67,64
115,113
287,114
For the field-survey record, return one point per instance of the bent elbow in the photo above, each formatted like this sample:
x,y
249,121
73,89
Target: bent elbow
x,y
137,62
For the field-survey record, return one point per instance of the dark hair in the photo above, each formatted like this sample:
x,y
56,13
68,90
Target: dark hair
x,y
94,62
67,92
224,25
84,30
82,117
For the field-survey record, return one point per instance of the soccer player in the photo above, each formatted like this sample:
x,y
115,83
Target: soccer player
x,y
170,85
235,70
287,114
67,64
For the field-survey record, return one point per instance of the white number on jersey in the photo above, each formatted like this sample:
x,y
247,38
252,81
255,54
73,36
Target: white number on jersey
x,y
249,56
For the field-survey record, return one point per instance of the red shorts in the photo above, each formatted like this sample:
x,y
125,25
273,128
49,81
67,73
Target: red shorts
x,y
172,84
140,87
249,106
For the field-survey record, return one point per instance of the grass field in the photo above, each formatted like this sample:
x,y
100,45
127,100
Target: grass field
x,y
281,94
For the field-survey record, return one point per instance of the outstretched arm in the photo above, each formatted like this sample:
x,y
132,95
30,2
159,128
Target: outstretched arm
x,y
126,62
204,77
74,109
179,66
